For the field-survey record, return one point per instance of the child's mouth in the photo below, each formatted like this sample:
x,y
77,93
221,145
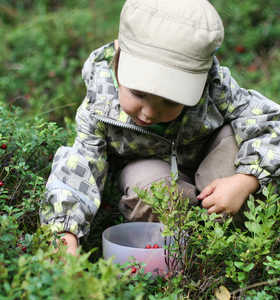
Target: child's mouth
x,y
141,123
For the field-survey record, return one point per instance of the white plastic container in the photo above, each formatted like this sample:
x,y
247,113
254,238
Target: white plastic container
x,y
128,240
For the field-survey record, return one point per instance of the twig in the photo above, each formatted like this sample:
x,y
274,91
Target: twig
x,y
208,282
269,282
56,108
16,190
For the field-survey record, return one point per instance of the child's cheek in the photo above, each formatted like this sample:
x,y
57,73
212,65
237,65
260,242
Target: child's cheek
x,y
129,106
171,114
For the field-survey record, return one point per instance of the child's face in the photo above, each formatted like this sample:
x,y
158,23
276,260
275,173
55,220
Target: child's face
x,y
146,109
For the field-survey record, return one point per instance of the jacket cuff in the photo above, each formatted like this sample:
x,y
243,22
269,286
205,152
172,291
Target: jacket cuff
x,y
261,174
68,224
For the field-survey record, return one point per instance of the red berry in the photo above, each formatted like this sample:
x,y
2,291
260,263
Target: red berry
x,y
240,49
252,68
64,241
156,246
4,146
23,249
1,183
133,270
148,246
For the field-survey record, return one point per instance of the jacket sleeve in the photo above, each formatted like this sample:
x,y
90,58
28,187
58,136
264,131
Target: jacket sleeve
x,y
256,123
74,187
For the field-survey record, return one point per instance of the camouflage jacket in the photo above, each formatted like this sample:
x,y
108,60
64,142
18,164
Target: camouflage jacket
x,y
104,131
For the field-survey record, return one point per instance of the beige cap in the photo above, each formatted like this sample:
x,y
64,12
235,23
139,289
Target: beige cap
x,y
167,47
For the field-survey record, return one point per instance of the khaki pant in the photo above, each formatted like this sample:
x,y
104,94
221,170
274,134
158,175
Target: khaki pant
x,y
218,162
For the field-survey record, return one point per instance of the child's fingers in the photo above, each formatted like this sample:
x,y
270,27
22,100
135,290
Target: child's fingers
x,y
208,190
212,209
215,209
208,202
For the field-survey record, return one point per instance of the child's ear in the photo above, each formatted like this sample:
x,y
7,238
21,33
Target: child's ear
x,y
116,44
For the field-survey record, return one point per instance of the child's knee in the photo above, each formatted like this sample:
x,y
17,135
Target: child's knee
x,y
219,161
142,174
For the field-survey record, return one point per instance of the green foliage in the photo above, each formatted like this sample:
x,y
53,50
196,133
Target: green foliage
x,y
29,269
40,274
42,57
27,149
14,12
260,28
251,45
206,251
45,43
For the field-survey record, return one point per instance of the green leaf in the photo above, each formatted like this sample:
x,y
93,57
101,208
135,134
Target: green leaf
x,y
253,227
218,231
7,237
239,264
249,267
241,276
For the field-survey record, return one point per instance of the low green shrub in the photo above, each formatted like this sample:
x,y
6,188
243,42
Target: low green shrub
x,y
207,252
251,45
26,152
42,59
13,12
30,270
260,28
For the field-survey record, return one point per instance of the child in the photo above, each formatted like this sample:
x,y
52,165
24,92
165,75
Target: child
x,y
167,105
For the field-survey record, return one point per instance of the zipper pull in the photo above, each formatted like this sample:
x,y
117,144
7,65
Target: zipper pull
x,y
174,166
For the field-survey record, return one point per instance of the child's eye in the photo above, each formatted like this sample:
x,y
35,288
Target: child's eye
x,y
138,94
171,103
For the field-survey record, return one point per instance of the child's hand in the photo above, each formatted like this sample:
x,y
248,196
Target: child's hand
x,y
70,241
226,195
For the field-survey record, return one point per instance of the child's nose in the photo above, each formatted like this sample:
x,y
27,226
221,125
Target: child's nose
x,y
149,112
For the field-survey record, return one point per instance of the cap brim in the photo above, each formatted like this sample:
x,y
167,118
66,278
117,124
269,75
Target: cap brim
x,y
173,84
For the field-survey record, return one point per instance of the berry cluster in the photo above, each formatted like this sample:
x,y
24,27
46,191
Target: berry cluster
x,y
155,246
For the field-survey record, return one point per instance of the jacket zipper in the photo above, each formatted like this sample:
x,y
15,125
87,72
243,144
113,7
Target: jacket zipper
x,y
173,158
174,165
